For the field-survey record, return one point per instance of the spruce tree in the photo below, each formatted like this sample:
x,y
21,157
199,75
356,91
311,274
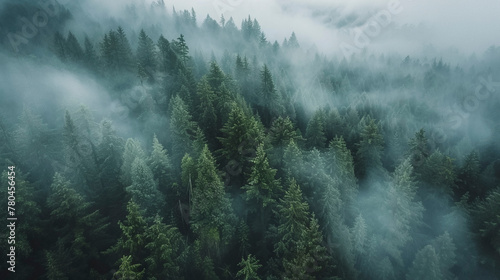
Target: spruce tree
x,y
425,266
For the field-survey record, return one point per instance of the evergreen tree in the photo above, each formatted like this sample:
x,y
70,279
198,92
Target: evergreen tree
x,y
468,176
300,240
167,251
419,150
315,132
143,189
73,49
146,56
249,267
445,250
438,170
262,185
370,148
110,149
89,55
211,211
183,129
133,150
160,165
79,231
132,239
206,108
181,48
60,46
425,266
128,270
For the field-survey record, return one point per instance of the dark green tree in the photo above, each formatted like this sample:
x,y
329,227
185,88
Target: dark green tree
x,y
211,212
74,51
146,57
144,190
315,132
370,148
167,251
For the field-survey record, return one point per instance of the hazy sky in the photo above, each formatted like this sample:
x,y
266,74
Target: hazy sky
x,y
466,25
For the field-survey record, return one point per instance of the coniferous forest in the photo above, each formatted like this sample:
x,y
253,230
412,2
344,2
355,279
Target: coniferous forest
x,y
167,144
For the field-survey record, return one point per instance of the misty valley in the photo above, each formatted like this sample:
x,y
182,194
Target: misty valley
x,y
164,143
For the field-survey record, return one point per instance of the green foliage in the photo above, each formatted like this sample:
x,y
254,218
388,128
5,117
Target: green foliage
x,y
249,267
133,151
262,185
370,147
438,170
128,270
213,218
167,250
160,165
300,241
144,190
132,239
487,221
146,56
315,132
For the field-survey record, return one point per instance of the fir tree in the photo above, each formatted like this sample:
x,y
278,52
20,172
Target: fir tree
x,y
425,266
249,268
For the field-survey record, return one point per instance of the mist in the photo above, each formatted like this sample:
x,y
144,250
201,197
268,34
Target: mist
x,y
251,139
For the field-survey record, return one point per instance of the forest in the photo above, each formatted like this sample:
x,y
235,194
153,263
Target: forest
x,y
166,146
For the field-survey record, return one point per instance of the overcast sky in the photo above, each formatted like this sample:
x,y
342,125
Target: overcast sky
x,y
470,26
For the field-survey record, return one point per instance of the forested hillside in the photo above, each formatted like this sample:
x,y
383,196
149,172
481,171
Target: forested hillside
x,y
169,147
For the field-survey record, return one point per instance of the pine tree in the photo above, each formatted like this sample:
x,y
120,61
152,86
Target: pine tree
x,y
75,226
112,200
293,160
132,239
425,266
183,129
160,165
211,211
487,221
132,151
60,46
206,108
89,55
181,48
419,150
438,170
128,270
124,56
143,189
166,251
249,267
146,56
300,240
370,147
269,101
315,132
262,185
74,51
36,147
241,135
445,250
468,176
